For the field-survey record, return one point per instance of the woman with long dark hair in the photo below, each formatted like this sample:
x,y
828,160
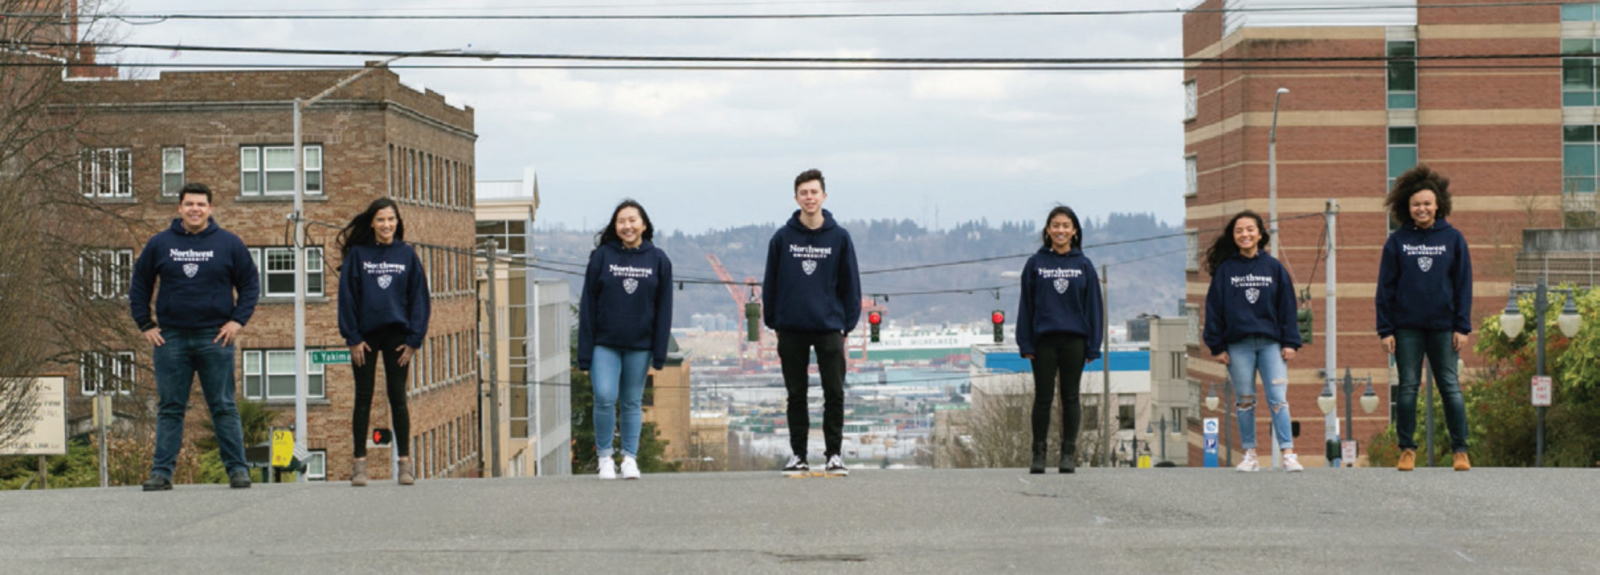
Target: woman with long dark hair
x,y
1250,328
624,323
1059,327
1424,305
383,309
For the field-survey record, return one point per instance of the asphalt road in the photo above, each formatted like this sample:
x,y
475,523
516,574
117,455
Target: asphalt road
x,y
901,521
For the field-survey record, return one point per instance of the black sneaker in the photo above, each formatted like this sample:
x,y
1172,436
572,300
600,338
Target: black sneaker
x,y
239,479
158,483
797,467
836,467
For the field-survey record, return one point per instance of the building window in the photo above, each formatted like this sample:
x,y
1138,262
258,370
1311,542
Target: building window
x,y
1578,164
1191,100
106,373
1578,12
269,170
1180,369
277,271
317,465
1402,152
1125,407
1175,424
106,272
1402,75
1191,312
1191,175
269,374
1191,253
1091,411
511,235
106,173
171,171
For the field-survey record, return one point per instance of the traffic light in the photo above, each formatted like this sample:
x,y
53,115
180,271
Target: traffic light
x,y
999,319
873,319
1302,320
382,437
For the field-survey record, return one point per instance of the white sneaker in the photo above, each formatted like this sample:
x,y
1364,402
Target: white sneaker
x,y
796,467
630,468
836,467
608,468
1291,463
1249,463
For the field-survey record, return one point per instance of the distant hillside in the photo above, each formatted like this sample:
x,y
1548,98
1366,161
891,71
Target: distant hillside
x,y
1151,283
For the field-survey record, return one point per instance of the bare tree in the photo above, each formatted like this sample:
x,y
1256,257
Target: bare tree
x,y
1000,427
49,230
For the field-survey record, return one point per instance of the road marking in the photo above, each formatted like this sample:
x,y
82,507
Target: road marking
x,y
1098,520
1463,555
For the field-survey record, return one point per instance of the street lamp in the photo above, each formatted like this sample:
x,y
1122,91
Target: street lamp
x,y
1149,429
1326,402
1511,323
301,380
1272,169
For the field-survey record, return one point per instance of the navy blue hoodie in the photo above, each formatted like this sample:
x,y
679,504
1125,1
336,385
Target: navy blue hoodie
x,y
812,283
383,286
1060,294
626,302
199,274
1250,297
1425,280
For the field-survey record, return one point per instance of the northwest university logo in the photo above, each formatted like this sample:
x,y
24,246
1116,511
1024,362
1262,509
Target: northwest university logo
x,y
809,266
630,284
1426,263
1061,285
191,269
384,281
1252,295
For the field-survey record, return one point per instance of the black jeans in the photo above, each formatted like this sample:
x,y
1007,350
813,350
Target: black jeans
x,y
1410,345
1058,360
385,342
794,352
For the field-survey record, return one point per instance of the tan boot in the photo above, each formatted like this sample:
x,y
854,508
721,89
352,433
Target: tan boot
x,y
1408,460
358,475
406,475
1461,462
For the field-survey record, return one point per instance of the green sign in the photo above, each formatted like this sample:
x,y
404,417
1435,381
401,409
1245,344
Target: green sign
x,y
330,357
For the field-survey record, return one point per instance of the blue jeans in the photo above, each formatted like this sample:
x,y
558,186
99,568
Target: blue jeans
x,y
186,353
1247,357
618,374
1410,345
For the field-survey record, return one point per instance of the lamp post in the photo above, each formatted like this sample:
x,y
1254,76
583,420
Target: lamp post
x,y
1326,402
1272,170
1149,429
1511,321
301,381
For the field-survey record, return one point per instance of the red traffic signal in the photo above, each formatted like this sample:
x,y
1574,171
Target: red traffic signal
x,y
874,318
382,437
998,317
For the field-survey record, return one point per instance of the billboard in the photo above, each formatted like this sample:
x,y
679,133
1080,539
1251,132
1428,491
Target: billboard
x,y
45,431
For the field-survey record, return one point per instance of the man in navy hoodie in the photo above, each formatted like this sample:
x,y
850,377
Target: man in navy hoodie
x,y
811,296
200,267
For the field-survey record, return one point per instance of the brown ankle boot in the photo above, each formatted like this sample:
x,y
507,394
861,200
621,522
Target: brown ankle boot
x,y
1461,462
358,474
406,475
1408,460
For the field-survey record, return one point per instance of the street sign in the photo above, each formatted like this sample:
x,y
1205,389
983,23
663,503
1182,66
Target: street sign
x,y
1209,426
330,357
1347,453
44,430
282,447
1541,391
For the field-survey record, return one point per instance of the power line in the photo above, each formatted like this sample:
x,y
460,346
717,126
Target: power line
x,y
156,18
798,59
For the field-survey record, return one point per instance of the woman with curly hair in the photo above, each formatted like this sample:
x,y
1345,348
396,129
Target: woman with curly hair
x,y
1424,304
1250,328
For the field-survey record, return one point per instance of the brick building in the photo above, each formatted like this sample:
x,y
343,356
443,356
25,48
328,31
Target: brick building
x,y
377,137
1515,135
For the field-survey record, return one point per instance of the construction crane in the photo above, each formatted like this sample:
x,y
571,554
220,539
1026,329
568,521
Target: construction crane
x,y
741,298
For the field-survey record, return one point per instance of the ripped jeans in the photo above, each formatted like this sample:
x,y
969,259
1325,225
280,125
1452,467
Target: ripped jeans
x,y
1247,357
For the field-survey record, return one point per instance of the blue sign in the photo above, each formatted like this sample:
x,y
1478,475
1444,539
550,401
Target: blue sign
x,y
1210,428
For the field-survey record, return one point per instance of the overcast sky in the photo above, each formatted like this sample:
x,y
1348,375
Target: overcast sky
x,y
715,149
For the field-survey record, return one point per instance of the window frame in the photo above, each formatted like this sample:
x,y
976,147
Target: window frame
x,y
91,165
316,375
312,159
1399,99
121,368
315,456
170,189
113,262
1191,100
315,266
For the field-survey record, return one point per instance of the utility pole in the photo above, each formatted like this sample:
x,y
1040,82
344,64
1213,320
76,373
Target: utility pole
x,y
1105,365
494,361
1331,324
